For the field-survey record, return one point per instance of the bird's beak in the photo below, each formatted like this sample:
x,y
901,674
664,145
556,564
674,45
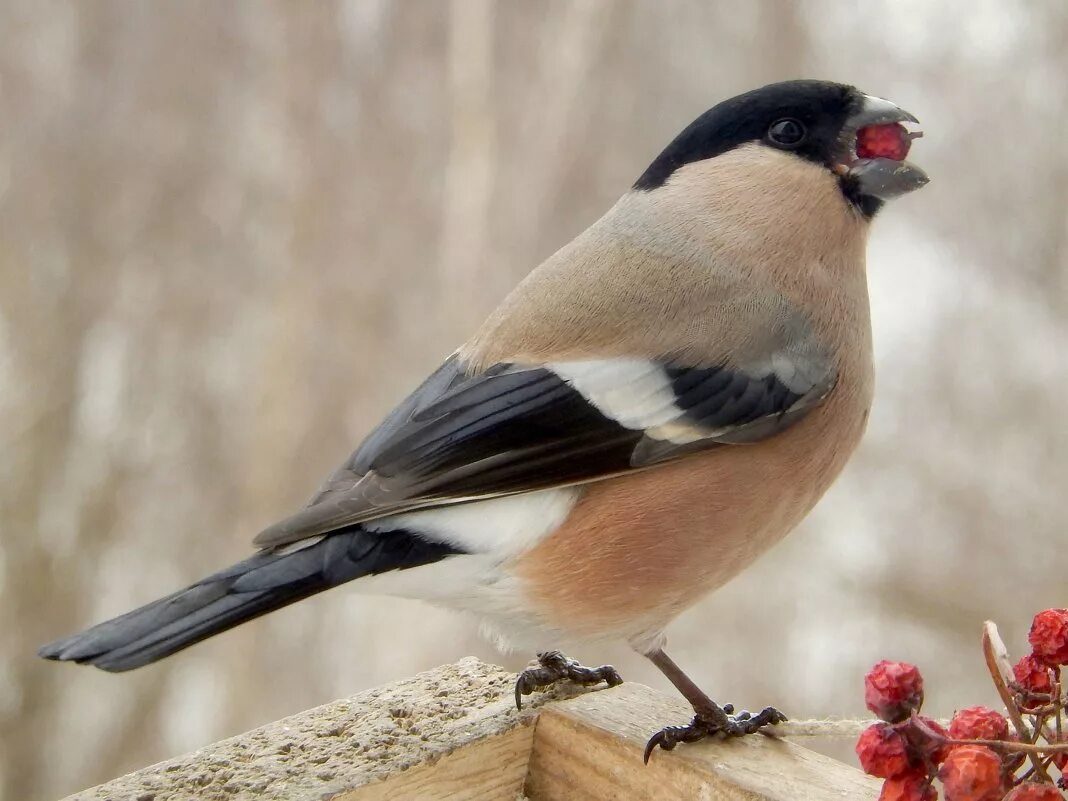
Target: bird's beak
x,y
883,178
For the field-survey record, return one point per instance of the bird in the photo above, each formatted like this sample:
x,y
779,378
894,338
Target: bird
x,y
650,409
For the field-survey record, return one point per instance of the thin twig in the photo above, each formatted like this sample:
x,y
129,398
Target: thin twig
x,y
1045,709
997,662
1002,746
995,653
1059,704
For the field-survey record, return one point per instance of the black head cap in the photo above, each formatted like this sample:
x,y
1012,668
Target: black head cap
x,y
803,117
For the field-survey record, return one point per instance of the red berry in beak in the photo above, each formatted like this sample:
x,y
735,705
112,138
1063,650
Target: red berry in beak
x,y
889,141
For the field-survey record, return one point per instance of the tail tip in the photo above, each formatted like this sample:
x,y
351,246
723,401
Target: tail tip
x,y
56,650
75,648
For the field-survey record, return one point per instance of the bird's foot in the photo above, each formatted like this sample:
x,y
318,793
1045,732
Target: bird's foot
x,y
554,667
718,721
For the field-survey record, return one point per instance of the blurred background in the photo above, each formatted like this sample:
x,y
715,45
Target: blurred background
x,y
232,235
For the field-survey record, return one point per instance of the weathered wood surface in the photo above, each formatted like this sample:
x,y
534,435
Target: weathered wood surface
x,y
590,748
453,733
329,752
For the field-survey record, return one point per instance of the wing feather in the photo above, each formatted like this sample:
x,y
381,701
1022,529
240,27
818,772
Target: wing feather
x,y
519,428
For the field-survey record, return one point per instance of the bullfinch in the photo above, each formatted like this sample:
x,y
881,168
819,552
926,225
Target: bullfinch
x,y
652,408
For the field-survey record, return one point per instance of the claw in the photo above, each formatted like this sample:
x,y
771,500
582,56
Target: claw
x,y
726,724
554,666
654,741
667,738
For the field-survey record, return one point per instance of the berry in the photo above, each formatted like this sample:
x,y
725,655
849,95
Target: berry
x,y
882,751
971,773
1029,791
1032,675
893,690
1060,758
1049,636
887,141
978,723
908,787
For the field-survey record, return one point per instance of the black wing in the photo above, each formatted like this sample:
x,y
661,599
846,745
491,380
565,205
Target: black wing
x,y
516,428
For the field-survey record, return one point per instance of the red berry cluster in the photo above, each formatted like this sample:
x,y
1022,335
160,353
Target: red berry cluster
x,y
978,758
1037,673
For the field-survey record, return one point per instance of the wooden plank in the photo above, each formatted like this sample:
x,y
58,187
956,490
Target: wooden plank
x,y
456,725
589,748
492,769
453,733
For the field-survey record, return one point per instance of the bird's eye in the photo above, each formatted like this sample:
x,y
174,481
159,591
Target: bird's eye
x,y
787,132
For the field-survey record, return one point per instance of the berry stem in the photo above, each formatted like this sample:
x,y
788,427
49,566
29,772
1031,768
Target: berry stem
x,y
1001,746
1059,707
997,662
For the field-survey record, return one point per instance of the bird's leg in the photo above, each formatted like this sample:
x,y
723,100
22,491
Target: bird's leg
x,y
554,666
709,717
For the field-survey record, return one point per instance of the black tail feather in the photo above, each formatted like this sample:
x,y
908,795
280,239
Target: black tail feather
x,y
246,590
